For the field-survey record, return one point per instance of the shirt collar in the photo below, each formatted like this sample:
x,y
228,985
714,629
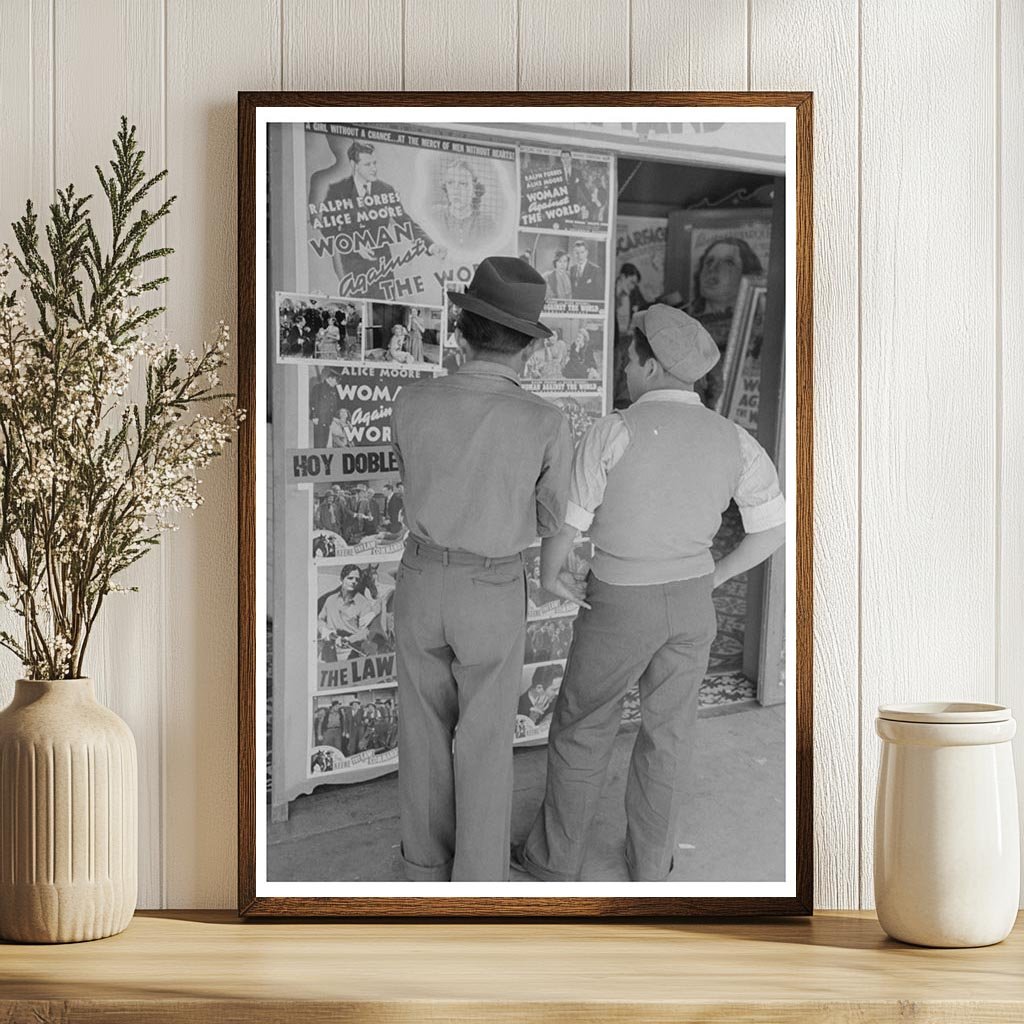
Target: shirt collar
x,y
670,395
485,368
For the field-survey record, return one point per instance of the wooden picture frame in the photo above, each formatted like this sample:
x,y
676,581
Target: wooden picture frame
x,y
790,315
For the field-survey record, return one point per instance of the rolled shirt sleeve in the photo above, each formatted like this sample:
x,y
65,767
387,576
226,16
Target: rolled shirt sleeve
x,y
758,494
601,448
553,483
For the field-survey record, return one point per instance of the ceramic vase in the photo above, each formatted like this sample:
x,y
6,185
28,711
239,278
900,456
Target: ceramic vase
x,y
947,847
68,815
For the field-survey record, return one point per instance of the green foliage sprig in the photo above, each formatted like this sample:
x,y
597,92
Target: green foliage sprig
x,y
90,478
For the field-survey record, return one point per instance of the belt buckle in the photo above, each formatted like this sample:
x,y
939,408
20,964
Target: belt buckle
x,y
444,556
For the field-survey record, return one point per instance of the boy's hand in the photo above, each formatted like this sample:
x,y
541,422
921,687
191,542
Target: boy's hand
x,y
568,588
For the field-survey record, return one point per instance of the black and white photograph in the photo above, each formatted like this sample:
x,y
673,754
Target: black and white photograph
x,y
453,353
351,730
407,335
562,189
541,684
350,407
709,253
355,620
581,412
313,329
639,281
542,603
352,519
526,516
573,269
573,352
391,214
548,640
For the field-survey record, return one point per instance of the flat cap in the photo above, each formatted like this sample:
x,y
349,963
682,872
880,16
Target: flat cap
x,y
681,344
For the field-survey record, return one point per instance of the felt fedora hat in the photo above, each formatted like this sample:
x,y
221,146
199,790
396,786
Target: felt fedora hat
x,y
508,291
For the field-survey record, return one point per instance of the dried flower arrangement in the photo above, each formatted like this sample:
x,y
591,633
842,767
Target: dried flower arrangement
x,y
89,476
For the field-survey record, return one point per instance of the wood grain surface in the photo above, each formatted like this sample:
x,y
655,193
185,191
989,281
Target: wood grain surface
x,y
574,44
228,45
701,44
1009,280
468,45
832,74
341,44
928,368
126,657
200,967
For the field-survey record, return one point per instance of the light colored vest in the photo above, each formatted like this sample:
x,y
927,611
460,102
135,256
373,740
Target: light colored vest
x,y
665,497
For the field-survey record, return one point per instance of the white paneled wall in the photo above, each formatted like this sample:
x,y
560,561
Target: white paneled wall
x,y
919,307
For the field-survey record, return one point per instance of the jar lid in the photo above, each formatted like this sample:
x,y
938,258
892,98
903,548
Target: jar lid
x,y
945,713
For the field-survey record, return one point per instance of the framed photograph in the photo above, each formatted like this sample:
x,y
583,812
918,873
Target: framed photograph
x,y
442,296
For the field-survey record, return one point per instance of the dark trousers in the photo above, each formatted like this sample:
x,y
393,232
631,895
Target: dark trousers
x,y
660,635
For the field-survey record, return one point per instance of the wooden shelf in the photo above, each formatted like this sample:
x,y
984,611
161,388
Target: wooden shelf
x,y
209,966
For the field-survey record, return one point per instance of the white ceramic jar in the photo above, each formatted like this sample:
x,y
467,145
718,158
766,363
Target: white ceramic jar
x,y
947,847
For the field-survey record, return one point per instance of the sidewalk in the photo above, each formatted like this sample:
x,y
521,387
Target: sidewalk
x,y
734,830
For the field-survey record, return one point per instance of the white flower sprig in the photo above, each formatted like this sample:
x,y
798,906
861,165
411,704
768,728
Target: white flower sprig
x,y
89,478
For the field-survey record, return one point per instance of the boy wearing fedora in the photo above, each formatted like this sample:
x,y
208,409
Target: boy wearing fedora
x,y
485,466
650,484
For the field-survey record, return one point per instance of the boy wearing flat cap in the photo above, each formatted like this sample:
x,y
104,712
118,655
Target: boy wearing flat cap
x,y
485,466
650,483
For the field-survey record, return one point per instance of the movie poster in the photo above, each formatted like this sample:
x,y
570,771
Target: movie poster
x,y
355,626
540,687
747,245
393,219
561,189
540,604
639,282
574,269
356,531
314,329
400,216
582,411
640,256
352,406
350,731
403,335
356,512
571,361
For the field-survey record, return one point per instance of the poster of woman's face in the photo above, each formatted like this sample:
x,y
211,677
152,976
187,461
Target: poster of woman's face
x,y
709,251
472,203
720,268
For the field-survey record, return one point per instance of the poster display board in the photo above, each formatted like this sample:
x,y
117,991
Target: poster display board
x,y
388,221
